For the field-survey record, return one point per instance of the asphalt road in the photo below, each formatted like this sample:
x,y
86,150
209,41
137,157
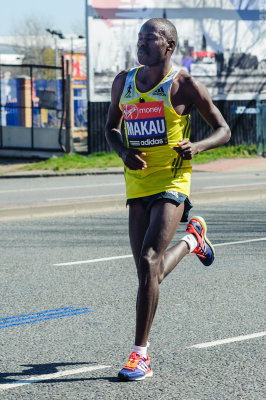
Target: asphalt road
x,y
58,189
81,325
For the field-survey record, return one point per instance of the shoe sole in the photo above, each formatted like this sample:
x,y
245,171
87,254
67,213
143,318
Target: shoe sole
x,y
124,378
203,223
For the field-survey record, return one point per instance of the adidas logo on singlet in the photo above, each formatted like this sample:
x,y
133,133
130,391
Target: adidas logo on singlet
x,y
159,92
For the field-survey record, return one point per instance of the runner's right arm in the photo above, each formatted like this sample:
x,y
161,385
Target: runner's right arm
x,y
131,157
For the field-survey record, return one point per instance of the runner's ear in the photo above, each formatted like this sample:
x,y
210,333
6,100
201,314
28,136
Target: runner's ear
x,y
171,46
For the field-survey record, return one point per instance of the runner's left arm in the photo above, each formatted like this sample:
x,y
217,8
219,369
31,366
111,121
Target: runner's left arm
x,y
200,97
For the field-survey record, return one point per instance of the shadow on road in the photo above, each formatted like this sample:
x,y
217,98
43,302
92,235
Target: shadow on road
x,y
36,369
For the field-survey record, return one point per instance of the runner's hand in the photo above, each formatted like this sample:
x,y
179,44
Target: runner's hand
x,y
132,159
186,149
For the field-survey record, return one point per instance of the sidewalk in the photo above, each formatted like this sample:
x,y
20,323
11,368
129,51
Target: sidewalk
x,y
236,164
13,169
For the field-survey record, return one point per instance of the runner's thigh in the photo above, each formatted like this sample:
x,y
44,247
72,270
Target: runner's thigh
x,y
164,220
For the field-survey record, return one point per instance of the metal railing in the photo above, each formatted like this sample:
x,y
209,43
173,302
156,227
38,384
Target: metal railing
x,y
245,116
30,98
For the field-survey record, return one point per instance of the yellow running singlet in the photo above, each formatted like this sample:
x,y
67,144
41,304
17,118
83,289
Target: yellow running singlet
x,y
153,126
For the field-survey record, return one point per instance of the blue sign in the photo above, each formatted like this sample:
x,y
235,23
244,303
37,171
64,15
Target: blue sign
x,y
245,110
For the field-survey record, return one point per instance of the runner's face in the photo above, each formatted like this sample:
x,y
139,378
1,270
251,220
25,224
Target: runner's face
x,y
152,46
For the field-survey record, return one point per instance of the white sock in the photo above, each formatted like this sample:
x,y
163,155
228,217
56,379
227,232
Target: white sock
x,y
140,350
191,240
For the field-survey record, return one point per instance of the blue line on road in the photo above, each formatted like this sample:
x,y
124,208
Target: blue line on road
x,y
45,313
70,313
38,313
47,316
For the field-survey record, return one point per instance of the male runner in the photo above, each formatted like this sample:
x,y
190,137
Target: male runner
x,y
155,102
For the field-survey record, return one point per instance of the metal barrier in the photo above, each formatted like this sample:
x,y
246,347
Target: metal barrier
x,y
245,116
97,116
261,127
32,113
31,107
242,125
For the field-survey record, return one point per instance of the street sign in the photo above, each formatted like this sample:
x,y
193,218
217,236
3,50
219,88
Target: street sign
x,y
245,110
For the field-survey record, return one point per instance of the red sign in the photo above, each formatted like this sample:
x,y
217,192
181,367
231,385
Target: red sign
x,y
202,53
78,65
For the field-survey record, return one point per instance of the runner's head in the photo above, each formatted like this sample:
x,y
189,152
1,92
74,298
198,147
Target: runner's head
x,y
157,41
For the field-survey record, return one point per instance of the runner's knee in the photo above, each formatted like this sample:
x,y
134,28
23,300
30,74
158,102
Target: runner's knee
x,y
149,267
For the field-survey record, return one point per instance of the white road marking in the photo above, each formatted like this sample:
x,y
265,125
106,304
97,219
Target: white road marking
x,y
87,197
61,187
240,242
94,260
228,340
39,378
236,185
130,255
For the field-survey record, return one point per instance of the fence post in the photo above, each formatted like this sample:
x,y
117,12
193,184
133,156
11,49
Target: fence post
x,y
69,114
261,127
1,122
89,145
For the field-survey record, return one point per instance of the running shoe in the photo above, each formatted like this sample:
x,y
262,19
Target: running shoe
x,y
204,250
136,369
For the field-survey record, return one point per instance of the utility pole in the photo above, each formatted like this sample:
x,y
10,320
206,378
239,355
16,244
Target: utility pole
x,y
69,113
55,35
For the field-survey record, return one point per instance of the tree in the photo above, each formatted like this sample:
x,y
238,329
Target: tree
x,y
31,40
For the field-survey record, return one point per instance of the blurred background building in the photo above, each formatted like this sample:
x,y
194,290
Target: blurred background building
x,y
221,42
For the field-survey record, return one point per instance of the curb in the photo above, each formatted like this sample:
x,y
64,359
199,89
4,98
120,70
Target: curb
x,y
119,203
98,172
51,175
59,174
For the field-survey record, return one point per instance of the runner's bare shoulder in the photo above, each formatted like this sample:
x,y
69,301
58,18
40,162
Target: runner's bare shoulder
x,y
118,84
189,85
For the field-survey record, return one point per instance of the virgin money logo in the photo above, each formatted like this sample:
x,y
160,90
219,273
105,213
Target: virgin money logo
x,y
130,111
